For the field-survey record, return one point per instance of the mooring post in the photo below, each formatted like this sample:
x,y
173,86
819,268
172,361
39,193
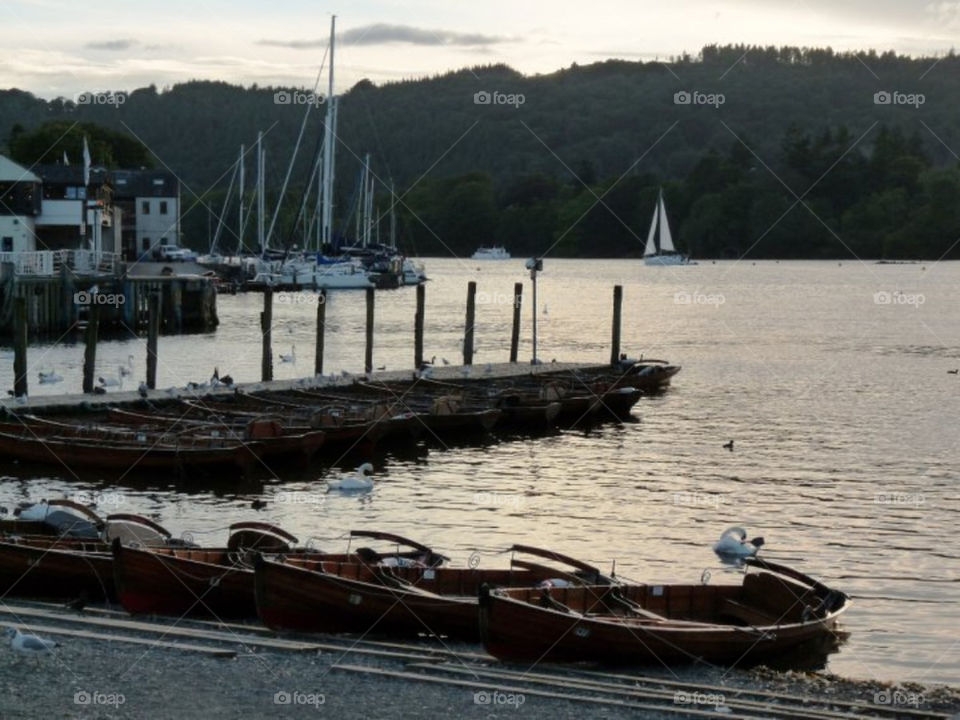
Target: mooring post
x,y
368,356
20,347
471,316
90,351
515,333
153,334
266,322
321,326
418,328
615,340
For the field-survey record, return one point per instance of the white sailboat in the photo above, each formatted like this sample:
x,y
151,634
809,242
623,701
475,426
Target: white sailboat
x,y
659,249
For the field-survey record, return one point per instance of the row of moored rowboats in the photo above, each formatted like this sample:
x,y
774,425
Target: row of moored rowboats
x,y
540,606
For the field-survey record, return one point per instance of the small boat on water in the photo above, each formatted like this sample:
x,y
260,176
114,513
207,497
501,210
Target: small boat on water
x,y
315,596
774,611
659,249
219,583
497,252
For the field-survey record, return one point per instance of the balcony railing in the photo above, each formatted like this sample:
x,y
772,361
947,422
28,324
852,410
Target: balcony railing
x,y
51,262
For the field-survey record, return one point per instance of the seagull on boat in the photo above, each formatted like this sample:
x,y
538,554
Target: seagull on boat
x,y
728,446
291,357
358,480
30,644
733,544
48,378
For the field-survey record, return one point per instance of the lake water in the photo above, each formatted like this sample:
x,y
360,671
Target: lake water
x,y
831,378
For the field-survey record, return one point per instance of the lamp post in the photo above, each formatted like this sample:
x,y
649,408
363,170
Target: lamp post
x,y
534,265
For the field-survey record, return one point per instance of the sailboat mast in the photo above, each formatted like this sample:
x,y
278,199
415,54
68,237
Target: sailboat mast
x,y
261,163
393,218
240,196
328,143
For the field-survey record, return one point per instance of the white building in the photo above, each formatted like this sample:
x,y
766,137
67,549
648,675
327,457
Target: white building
x,y
19,206
150,200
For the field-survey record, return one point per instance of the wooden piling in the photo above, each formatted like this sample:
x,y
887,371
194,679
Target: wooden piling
x,y
153,333
20,347
321,326
418,328
266,323
471,316
90,351
515,332
368,356
617,310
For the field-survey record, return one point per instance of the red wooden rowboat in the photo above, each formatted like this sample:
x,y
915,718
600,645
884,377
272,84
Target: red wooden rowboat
x,y
316,596
219,582
774,611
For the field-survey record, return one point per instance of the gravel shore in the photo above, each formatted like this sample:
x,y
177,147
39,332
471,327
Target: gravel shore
x,y
94,679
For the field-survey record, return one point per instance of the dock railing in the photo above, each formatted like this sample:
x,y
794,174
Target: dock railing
x,y
48,263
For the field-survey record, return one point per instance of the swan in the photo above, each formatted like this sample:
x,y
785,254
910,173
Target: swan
x,y
127,370
359,480
48,378
111,381
733,543
292,357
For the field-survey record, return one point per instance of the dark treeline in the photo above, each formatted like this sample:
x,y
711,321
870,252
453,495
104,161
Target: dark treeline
x,y
877,179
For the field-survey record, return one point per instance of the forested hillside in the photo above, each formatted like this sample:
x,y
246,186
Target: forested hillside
x,y
781,152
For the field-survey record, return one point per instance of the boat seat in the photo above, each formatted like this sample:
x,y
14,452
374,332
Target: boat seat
x,y
746,613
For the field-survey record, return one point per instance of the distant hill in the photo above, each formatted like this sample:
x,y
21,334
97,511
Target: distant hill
x,y
505,172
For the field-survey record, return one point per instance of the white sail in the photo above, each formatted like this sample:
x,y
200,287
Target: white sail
x,y
666,240
651,248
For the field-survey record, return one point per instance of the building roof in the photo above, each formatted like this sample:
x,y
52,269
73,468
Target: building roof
x,y
70,175
129,184
12,172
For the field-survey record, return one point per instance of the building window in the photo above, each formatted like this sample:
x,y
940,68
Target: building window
x,y
7,244
146,243
163,207
145,207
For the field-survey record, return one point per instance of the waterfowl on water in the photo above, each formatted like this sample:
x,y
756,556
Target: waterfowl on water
x,y
733,543
358,480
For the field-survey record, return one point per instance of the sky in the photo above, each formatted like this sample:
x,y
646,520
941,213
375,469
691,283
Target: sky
x,y
64,48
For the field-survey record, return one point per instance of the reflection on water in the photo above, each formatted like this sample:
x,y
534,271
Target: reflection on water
x,y
846,456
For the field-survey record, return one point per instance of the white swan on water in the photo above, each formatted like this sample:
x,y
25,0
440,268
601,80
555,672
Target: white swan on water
x,y
48,378
359,480
733,543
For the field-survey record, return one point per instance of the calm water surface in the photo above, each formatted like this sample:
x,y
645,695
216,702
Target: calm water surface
x,y
839,402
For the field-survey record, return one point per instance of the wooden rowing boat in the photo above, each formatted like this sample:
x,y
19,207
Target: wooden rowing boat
x,y
219,583
314,596
775,610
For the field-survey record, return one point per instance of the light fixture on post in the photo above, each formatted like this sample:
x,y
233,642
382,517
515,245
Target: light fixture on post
x,y
534,265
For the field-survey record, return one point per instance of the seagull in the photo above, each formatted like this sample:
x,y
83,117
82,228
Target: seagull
x,y
292,357
30,644
728,446
48,378
142,390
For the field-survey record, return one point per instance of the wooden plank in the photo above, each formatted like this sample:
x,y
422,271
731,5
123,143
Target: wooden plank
x,y
127,639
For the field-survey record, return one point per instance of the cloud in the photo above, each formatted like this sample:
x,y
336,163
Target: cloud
x,y
113,45
384,34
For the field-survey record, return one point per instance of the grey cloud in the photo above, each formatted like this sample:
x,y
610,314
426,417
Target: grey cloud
x,y
383,34
115,45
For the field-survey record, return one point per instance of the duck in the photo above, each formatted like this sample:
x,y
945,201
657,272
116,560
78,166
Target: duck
x,y
949,372
291,357
728,446
359,480
48,378
733,544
